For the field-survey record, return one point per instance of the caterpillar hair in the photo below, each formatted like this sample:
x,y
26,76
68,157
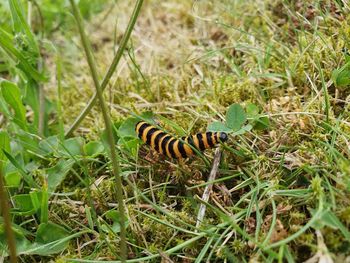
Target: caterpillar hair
x,y
174,148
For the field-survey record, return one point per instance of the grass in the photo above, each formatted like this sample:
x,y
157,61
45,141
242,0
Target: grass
x,y
282,189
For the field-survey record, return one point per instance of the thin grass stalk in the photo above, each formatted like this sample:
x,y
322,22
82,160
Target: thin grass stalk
x,y
5,211
113,154
111,69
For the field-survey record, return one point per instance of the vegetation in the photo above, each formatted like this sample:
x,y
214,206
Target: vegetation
x,y
274,75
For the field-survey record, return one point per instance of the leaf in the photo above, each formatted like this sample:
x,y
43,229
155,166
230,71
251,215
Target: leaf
x,y
262,123
4,145
49,145
56,174
115,217
235,117
12,95
148,116
341,77
29,142
47,233
26,176
22,242
44,206
243,130
127,128
31,98
4,109
93,148
104,138
20,23
23,205
71,147
217,126
6,42
330,219
13,179
129,144
252,110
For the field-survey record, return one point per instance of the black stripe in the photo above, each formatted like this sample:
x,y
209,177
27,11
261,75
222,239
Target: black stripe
x,y
216,136
182,149
171,147
149,135
164,142
209,139
142,128
200,141
157,139
189,140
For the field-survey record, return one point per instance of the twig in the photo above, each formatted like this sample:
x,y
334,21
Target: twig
x,y
208,188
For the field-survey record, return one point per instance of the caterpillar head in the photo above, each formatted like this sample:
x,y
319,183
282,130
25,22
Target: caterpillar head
x,y
223,137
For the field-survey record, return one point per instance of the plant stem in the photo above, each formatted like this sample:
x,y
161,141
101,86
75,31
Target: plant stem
x,y
5,209
113,154
111,69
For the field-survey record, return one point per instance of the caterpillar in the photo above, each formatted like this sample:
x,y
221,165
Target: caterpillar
x,y
175,148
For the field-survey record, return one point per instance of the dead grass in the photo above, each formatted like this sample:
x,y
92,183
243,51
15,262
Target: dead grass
x,y
196,59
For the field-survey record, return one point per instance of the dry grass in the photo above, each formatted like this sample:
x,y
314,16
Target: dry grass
x,y
188,61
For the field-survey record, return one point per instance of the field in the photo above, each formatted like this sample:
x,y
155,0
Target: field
x,y
78,185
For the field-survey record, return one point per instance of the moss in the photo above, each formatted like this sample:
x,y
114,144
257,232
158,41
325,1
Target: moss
x,y
190,63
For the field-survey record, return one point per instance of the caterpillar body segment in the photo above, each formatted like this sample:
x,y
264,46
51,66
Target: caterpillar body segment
x,y
174,148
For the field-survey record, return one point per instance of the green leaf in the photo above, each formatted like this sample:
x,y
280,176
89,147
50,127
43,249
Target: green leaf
x,y
12,95
4,109
44,206
36,197
31,98
127,128
50,232
262,123
4,146
56,174
24,205
49,145
217,126
252,110
89,217
28,142
104,138
20,23
93,148
115,217
235,117
243,130
341,77
26,176
148,116
22,242
13,179
6,42
72,147
129,144
331,220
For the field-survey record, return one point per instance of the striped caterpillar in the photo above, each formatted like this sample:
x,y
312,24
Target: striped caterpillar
x,y
175,148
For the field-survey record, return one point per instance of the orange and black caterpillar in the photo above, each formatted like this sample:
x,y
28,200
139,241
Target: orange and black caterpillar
x,y
175,148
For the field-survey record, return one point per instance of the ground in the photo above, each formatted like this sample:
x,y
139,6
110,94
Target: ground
x,y
282,188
